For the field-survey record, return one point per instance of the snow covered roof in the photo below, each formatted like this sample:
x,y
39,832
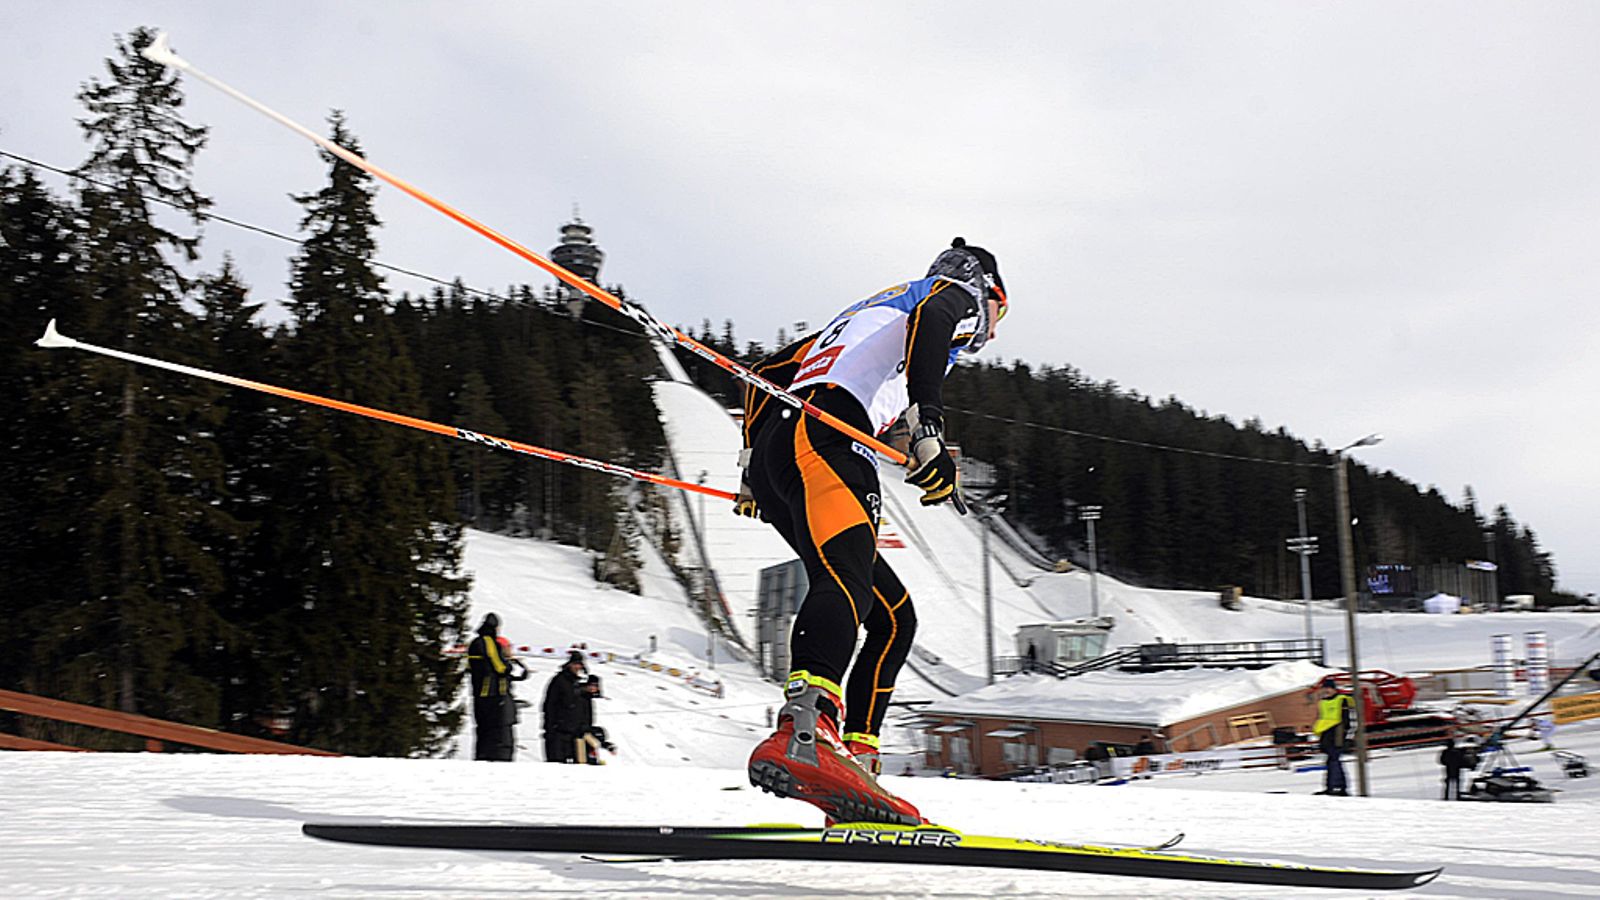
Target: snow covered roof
x,y
1150,699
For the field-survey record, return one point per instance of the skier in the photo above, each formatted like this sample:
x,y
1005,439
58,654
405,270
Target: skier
x,y
561,711
493,712
1333,709
884,355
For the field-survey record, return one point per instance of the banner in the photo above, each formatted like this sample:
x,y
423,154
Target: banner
x,y
1576,708
1178,763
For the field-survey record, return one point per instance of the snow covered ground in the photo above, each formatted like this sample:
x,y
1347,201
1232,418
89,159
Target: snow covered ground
x,y
194,825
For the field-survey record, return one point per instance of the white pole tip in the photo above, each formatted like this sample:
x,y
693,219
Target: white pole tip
x,y
160,52
53,339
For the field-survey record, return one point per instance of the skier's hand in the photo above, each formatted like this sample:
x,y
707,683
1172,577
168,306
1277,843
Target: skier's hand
x,y
932,468
745,504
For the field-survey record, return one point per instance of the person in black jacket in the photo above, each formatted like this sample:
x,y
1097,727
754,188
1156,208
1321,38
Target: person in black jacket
x,y
561,711
1456,758
493,711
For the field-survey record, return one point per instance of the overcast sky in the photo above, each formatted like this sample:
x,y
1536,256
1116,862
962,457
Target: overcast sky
x,y
1340,218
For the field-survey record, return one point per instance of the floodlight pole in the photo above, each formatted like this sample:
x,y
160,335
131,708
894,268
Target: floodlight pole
x,y
1347,577
1089,515
1305,546
985,522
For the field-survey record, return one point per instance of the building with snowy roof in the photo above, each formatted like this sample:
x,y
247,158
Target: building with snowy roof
x,y
1032,720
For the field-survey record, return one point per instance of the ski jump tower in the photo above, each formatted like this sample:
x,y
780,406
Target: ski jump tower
x,y
578,254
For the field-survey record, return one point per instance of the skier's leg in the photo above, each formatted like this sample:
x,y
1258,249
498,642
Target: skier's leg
x,y
891,626
830,492
838,535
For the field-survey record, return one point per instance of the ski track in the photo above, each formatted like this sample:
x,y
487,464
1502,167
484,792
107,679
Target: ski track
x,y
207,825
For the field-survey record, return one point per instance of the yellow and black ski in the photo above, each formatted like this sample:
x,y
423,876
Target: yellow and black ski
x,y
920,845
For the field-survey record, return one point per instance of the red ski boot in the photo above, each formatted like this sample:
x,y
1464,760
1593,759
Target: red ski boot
x,y
806,760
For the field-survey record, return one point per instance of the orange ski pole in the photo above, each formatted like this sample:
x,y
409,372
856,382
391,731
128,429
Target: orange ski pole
x,y
54,339
160,52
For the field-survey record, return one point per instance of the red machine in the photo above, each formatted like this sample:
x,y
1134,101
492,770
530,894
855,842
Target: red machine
x,y
1384,693
1391,720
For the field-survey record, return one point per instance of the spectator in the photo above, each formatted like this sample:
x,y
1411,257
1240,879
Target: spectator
x,y
1332,726
561,711
1454,759
1146,746
589,738
1100,753
1544,728
493,711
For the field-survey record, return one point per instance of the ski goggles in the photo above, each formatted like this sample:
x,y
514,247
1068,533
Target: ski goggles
x,y
999,295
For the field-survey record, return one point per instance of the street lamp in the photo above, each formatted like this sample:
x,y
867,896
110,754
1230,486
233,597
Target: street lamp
x,y
1347,577
1090,515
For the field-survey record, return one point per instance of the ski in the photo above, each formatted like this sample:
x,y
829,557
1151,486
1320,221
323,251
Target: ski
x,y
1167,844
870,843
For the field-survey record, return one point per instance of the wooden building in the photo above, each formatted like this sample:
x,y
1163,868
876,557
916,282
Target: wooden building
x,y
1028,721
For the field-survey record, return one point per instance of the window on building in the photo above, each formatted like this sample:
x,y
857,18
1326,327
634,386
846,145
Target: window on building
x,y
1079,647
1020,755
1060,756
961,751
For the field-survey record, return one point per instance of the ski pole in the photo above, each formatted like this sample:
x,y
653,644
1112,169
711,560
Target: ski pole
x,y
159,51
54,339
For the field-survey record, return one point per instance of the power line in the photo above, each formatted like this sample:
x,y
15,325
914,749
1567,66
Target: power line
x,y
1133,443
246,226
493,296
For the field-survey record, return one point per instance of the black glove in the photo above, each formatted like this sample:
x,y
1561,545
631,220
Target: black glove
x,y
932,468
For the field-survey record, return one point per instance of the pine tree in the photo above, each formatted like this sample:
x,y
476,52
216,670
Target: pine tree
x,y
482,470
145,466
254,440
365,527
40,538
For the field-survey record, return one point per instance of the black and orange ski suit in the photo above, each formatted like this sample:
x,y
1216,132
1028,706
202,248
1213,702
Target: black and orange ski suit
x,y
820,489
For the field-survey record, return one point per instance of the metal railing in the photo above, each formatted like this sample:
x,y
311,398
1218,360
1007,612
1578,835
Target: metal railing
x,y
1162,657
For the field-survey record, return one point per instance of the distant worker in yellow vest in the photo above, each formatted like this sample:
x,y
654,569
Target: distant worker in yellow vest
x,y
1332,726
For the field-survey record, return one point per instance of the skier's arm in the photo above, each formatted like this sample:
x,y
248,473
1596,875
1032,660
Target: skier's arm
x,y
929,330
779,368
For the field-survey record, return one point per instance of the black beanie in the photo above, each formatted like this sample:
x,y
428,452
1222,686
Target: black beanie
x,y
968,264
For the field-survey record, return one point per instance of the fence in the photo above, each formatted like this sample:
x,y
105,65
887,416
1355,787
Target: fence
x,y
1162,657
154,731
